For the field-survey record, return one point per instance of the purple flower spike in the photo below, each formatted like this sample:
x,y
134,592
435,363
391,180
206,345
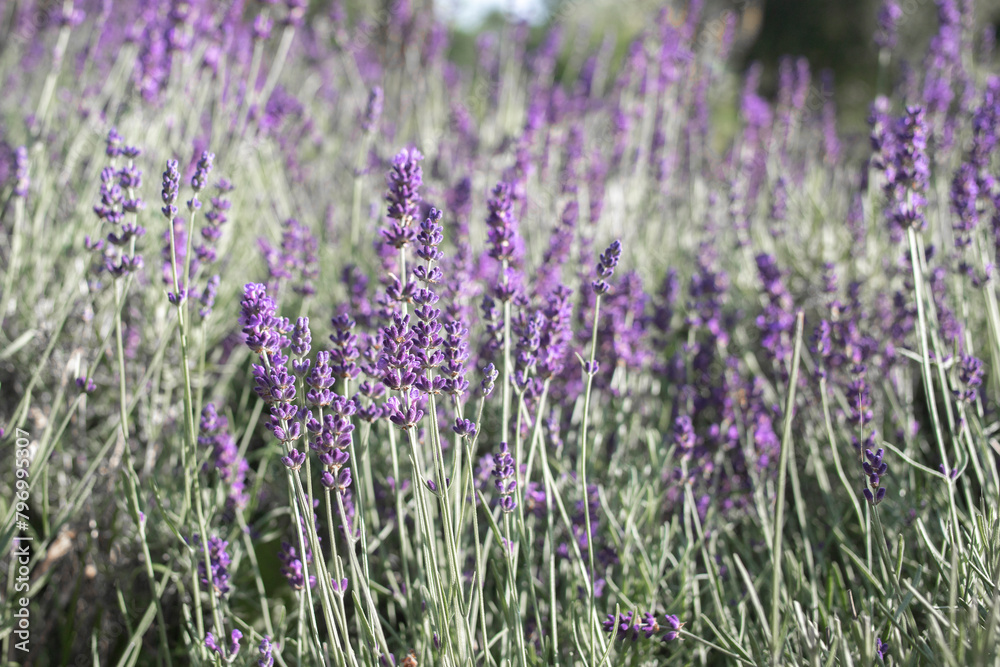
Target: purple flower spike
x,y
259,320
632,628
207,298
319,381
202,170
464,428
505,478
345,353
908,174
874,469
490,375
266,658
231,468
294,460
219,561
402,416
294,569
113,143
301,344
171,185
503,239
404,179
684,436
888,16
970,375
606,267
964,192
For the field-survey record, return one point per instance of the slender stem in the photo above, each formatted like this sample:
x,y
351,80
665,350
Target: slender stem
x,y
480,564
513,599
358,190
404,544
506,361
48,89
130,470
591,603
279,63
294,500
925,366
786,447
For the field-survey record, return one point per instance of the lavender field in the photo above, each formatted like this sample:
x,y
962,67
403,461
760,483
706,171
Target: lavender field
x,y
323,344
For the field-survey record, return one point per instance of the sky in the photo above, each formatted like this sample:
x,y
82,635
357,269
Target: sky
x,y
468,13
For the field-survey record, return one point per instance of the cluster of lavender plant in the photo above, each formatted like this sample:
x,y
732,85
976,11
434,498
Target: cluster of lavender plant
x,y
531,361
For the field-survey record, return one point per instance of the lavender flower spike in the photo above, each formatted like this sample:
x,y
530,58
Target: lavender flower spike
x,y
875,469
171,184
234,644
219,561
266,657
888,18
506,481
631,627
405,179
606,267
201,172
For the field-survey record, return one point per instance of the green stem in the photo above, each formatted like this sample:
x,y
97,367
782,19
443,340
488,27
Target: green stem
x,y
925,366
786,446
591,603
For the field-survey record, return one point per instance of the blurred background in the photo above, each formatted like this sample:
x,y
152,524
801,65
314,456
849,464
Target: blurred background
x,y
832,34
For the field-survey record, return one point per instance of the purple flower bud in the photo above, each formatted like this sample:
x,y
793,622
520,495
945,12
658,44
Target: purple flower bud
x,y
294,460
490,375
234,642
881,648
464,428
262,26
